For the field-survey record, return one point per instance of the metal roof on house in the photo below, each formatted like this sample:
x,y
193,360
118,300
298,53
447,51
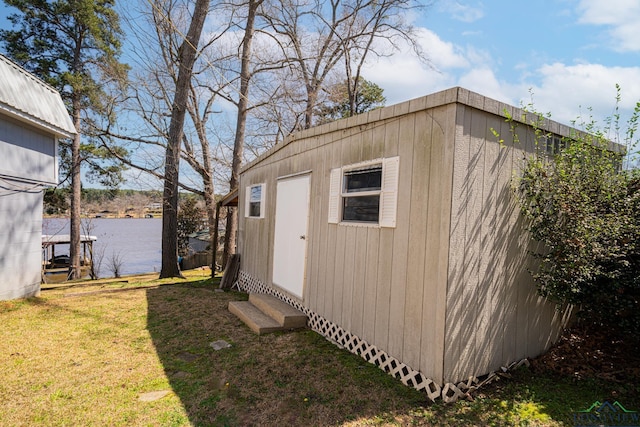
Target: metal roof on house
x,y
27,98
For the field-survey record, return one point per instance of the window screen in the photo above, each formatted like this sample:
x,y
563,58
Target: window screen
x,y
361,194
255,201
363,180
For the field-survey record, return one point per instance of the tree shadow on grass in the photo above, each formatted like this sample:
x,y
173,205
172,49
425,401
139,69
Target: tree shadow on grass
x,y
293,378
300,379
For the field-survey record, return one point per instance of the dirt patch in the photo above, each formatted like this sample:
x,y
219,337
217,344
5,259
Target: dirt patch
x,y
588,351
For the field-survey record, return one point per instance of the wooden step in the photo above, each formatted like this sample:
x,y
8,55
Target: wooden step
x,y
286,316
255,319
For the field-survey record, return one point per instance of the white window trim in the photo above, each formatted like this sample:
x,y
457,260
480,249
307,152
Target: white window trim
x,y
247,200
388,192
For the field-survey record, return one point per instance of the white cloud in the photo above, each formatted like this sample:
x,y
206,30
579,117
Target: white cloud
x,y
463,12
403,76
442,54
476,33
484,81
621,16
568,91
564,90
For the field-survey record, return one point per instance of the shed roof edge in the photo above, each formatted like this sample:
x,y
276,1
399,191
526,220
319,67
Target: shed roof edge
x,y
454,95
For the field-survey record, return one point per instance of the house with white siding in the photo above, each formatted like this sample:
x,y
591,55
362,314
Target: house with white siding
x,y
32,119
398,234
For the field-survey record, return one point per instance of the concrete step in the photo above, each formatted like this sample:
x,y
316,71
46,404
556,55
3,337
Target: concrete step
x,y
287,316
255,319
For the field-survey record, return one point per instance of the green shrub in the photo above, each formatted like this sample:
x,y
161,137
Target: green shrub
x,y
585,210
191,218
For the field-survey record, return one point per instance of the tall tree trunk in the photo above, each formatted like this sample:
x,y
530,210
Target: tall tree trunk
x,y
312,98
209,197
209,189
351,94
241,122
230,231
206,172
186,60
76,194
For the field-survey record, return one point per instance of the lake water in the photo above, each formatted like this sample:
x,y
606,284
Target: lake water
x,y
136,242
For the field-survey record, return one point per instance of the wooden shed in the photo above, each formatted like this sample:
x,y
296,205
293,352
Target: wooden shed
x,y
398,234
32,118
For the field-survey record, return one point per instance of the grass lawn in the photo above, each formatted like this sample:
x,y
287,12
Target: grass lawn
x,y
84,355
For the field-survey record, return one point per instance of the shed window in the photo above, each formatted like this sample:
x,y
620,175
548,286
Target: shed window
x,y
254,202
361,194
365,193
554,145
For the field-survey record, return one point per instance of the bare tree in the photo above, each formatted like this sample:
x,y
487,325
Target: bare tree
x,y
241,123
151,94
312,38
316,37
97,258
169,77
303,47
380,26
186,60
220,74
115,264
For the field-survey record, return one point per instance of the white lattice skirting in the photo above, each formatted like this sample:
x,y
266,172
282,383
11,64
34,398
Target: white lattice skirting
x,y
449,392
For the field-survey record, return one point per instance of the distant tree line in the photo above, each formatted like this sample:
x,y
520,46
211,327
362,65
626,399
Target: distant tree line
x,y
56,200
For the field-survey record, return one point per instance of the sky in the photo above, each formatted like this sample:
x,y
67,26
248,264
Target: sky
x,y
565,56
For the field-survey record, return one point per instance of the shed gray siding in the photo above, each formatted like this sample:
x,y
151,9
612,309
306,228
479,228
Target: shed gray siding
x,y
494,315
21,236
27,153
32,117
28,165
446,291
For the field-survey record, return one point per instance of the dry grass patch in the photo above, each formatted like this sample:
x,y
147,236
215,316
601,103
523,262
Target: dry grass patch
x,y
82,360
73,360
83,355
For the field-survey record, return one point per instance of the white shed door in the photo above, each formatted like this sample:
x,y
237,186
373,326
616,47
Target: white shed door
x,y
290,240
